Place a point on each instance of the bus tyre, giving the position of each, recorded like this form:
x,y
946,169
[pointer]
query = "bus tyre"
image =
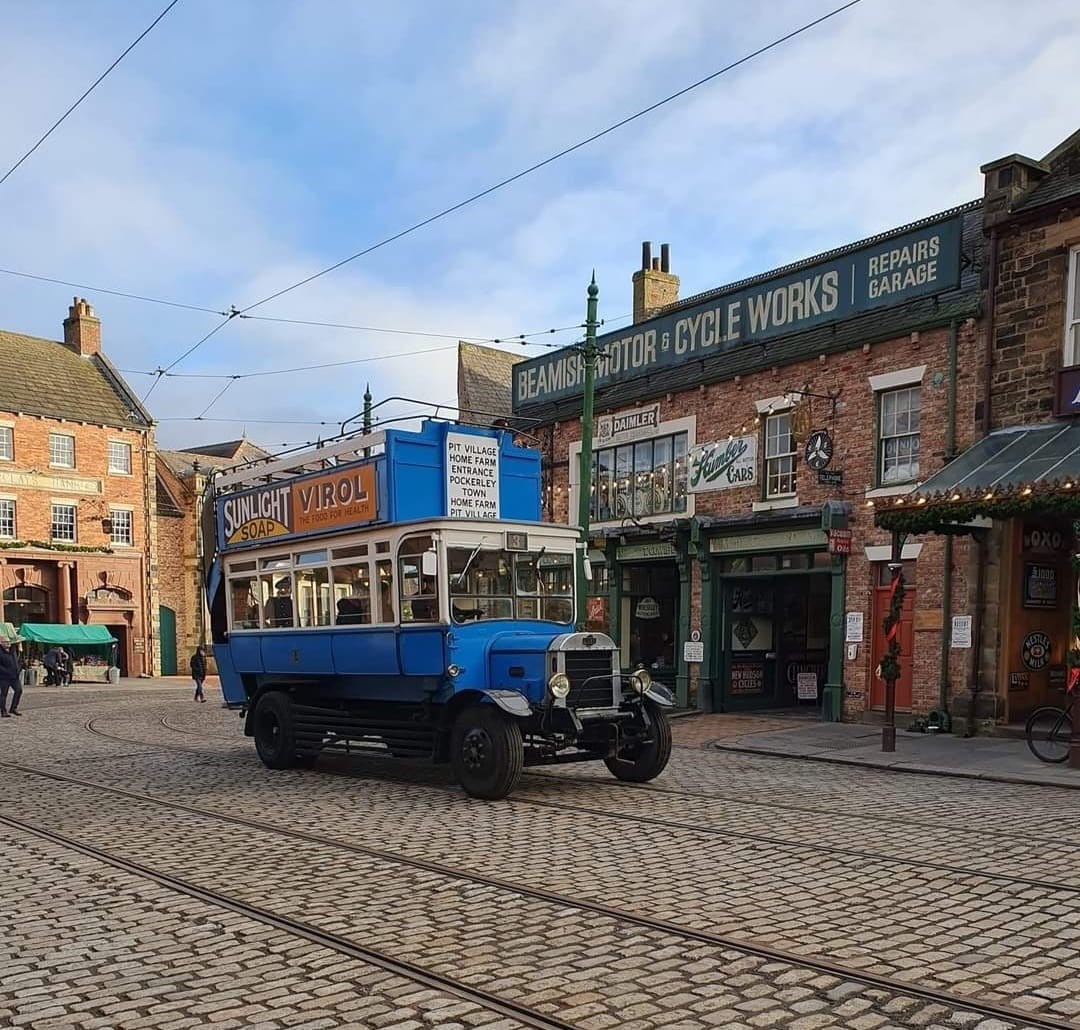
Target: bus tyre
x,y
487,752
275,736
640,761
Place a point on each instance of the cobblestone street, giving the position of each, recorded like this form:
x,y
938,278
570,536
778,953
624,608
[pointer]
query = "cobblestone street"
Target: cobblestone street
x,y
157,876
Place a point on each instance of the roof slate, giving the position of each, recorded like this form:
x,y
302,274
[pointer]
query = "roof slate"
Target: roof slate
x,y
212,455
484,378
45,377
1050,191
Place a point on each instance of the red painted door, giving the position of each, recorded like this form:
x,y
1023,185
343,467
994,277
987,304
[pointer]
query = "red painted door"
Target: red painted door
x,y
907,639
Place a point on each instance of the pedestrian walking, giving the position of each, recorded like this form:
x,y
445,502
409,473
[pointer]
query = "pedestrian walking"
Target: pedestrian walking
x,y
67,667
198,672
51,662
10,676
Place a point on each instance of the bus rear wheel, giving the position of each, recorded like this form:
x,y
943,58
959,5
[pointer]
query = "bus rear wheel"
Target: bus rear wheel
x,y
644,758
274,731
487,752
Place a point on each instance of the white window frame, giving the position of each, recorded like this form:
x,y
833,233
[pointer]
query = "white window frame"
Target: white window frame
x,y
879,398
113,470
780,457
74,538
673,427
129,515
1072,309
53,463
5,502
7,441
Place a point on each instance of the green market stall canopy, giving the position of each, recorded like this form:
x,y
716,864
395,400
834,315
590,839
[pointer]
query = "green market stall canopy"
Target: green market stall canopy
x,y
66,636
1011,472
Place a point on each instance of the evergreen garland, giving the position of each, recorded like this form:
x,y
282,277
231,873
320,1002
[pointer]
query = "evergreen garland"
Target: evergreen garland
x,y
890,663
943,516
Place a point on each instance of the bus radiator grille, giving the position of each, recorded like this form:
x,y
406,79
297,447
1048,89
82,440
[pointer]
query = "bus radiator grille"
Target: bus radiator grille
x,y
591,682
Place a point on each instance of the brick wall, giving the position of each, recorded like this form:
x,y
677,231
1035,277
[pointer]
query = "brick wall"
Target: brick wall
x,y
728,407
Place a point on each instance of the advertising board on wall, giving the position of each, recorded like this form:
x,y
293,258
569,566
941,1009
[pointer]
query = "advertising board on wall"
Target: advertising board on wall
x,y
628,425
878,275
723,465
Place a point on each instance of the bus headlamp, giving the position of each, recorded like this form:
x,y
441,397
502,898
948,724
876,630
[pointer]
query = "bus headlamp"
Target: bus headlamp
x,y
453,671
640,680
559,685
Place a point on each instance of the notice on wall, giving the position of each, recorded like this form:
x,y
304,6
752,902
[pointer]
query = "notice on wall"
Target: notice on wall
x,y
854,634
1040,585
961,631
693,651
807,686
472,477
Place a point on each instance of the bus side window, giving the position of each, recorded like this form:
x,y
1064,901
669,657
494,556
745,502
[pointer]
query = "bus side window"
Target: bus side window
x,y
244,594
352,593
278,610
385,576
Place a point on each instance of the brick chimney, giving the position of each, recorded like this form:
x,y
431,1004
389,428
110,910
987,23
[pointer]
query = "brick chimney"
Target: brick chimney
x,y
82,329
654,285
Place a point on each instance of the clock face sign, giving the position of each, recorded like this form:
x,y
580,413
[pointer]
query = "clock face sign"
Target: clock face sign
x,y
819,449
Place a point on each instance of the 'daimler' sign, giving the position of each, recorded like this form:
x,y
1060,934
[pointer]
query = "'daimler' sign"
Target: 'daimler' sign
x,y
891,271
472,477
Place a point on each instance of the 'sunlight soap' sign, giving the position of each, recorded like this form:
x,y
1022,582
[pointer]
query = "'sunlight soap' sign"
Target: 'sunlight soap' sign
x,y
472,477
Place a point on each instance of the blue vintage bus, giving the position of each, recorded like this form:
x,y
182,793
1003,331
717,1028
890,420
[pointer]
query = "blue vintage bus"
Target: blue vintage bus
x,y
398,591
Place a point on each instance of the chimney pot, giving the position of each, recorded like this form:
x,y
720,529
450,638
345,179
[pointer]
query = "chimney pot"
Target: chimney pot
x,y
665,257
656,264
82,329
646,255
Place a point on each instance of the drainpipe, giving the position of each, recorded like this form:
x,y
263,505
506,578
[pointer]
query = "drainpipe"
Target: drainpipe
x,y
946,605
991,306
976,656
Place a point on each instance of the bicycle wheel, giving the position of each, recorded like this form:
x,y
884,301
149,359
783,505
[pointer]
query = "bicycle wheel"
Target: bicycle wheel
x,y
1049,731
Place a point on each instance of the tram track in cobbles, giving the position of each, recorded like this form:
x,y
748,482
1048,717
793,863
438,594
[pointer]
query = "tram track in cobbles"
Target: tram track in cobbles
x,y
698,827
856,989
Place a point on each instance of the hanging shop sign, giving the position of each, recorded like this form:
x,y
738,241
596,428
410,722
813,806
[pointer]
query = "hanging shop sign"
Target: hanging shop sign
x,y
628,425
819,449
723,465
879,275
1040,585
1035,650
647,608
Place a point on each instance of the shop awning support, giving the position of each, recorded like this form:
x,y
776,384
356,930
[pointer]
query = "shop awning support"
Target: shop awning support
x,y
890,664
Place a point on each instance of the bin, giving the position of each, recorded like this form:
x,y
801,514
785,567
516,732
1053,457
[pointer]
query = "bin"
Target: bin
x,y
114,674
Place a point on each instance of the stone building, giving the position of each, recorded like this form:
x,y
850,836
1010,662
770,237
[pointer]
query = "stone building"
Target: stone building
x,y
77,469
1015,492
483,378
181,482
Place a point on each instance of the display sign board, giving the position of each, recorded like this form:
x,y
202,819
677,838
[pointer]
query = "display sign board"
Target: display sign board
x,y
314,502
1019,681
637,552
830,477
596,609
854,634
693,651
627,425
777,540
961,631
1040,585
839,541
807,686
472,477
747,677
878,275
723,465
1046,541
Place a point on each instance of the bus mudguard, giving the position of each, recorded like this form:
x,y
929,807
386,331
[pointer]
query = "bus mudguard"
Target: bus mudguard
x,y
510,701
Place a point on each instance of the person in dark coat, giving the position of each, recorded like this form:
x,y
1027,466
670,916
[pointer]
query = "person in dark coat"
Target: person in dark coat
x,y
10,676
52,666
198,672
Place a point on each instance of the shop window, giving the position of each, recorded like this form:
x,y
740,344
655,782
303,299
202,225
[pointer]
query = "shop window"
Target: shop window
x,y
650,611
763,563
123,530
640,479
1072,310
7,520
63,522
899,441
780,456
25,604
61,450
119,458
7,443
885,574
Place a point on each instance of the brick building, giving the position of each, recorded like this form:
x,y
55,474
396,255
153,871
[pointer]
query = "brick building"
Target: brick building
x,y
1014,492
77,470
181,481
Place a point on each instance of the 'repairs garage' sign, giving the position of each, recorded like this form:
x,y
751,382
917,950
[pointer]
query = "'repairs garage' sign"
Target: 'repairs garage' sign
x,y
319,502
882,274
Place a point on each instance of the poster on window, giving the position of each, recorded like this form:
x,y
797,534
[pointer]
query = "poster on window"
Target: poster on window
x,y
1040,585
747,678
723,465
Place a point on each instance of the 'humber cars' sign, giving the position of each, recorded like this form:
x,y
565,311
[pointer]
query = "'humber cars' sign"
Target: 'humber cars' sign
x,y
723,465
882,274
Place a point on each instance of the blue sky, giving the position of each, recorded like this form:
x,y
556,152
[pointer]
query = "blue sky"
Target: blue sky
x,y
245,145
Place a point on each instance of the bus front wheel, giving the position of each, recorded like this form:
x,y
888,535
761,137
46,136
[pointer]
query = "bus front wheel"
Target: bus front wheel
x,y
487,752
647,756
274,731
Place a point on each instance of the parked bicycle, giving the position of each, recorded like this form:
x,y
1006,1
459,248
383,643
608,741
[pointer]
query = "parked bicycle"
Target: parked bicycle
x,y
1049,731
